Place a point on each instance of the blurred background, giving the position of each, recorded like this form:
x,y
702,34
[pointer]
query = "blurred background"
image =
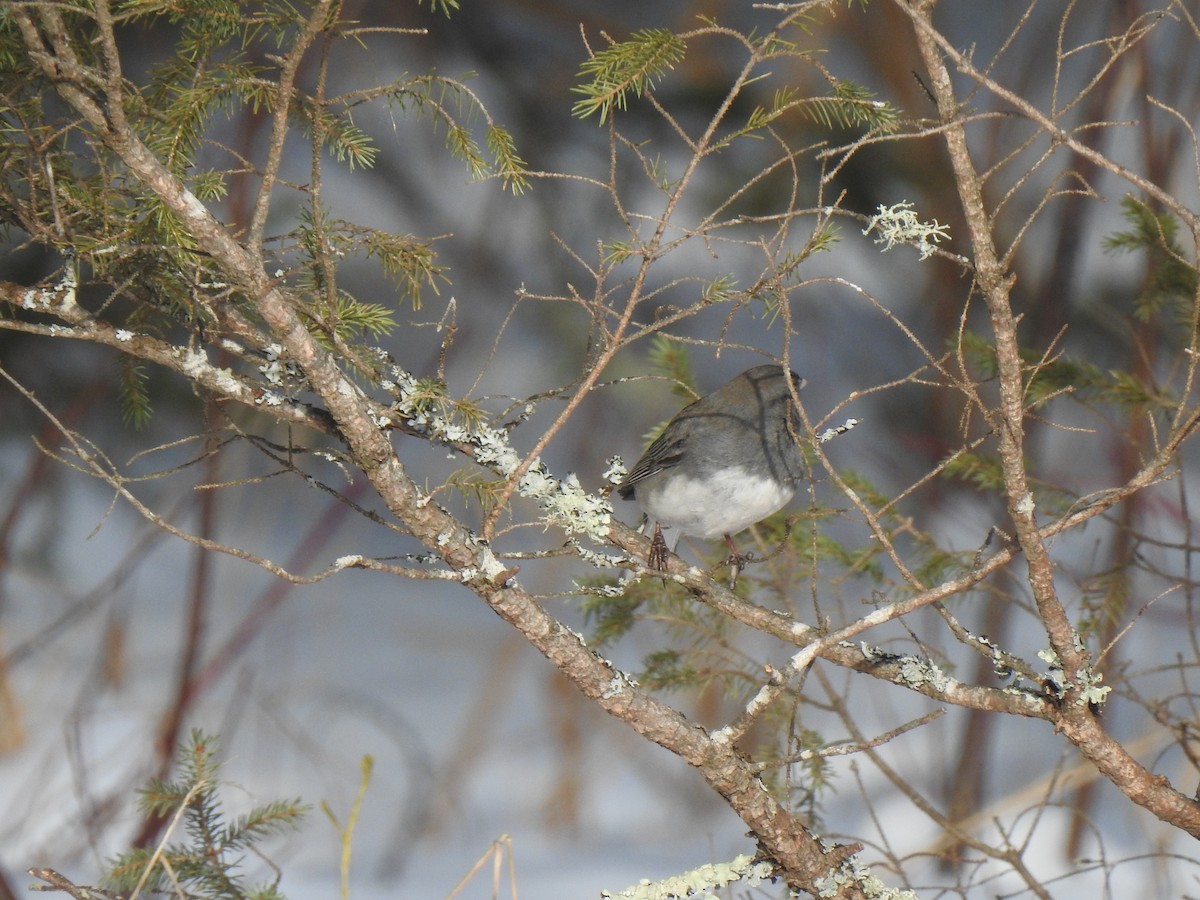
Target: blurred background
x,y
474,735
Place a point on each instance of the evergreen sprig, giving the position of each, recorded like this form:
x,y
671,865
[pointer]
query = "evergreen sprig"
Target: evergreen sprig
x,y
1172,276
1084,381
208,864
450,103
347,142
410,263
850,106
135,398
628,66
509,165
671,359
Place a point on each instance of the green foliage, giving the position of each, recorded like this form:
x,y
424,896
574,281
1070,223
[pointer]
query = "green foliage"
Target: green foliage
x,y
445,7
974,468
408,261
773,295
985,472
348,143
429,398
849,106
671,359
979,353
853,106
865,489
179,102
845,560
935,565
666,670
410,264
452,105
509,166
1103,600
352,319
823,237
218,56
629,66
208,863
206,25
475,486
1083,381
12,56
1172,277
135,399
722,289
609,618
797,771
1090,384
616,252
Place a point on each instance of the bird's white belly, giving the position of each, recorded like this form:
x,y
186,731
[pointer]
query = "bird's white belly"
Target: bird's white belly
x,y
723,503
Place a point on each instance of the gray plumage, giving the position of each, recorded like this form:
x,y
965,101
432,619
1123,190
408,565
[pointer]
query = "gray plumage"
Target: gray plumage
x,y
724,462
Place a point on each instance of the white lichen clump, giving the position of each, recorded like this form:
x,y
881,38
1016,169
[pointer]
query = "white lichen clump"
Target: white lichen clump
x,y
563,501
699,882
915,672
61,294
830,433
851,871
1091,691
566,503
193,362
273,367
898,224
616,471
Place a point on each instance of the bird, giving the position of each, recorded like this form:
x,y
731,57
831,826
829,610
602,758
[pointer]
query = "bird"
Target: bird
x,y
724,462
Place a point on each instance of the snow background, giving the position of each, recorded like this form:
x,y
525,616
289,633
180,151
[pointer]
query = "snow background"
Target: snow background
x,y
473,734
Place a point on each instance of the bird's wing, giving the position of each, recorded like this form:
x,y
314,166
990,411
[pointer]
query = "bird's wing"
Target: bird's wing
x,y
663,453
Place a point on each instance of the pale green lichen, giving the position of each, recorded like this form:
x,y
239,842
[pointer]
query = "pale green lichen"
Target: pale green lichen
x,y
61,294
898,224
700,882
602,590
870,653
599,561
615,687
1091,691
616,471
564,502
917,673
830,433
851,871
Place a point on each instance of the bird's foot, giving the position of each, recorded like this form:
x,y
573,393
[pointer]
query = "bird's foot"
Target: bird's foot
x,y
736,560
658,550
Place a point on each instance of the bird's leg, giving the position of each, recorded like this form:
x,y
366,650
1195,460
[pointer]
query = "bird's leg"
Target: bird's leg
x,y
736,560
658,550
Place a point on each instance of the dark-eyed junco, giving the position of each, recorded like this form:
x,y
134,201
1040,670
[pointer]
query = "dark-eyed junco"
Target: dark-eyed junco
x,y
723,463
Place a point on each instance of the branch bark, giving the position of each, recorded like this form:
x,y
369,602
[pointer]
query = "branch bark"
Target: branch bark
x,y
799,855
1076,721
